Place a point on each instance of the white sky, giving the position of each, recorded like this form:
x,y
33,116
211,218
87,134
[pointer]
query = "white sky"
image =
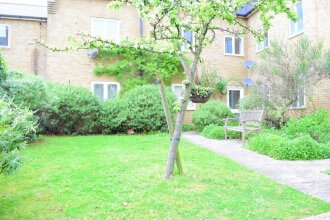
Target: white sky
x,y
28,2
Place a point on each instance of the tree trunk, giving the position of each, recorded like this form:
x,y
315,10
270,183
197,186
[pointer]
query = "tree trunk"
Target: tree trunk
x,y
169,122
179,121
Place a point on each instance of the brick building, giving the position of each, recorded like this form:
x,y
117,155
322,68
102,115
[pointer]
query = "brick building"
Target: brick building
x,y
54,20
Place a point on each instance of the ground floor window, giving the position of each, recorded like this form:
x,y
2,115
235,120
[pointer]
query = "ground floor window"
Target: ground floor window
x,y
4,35
301,101
234,94
105,90
177,90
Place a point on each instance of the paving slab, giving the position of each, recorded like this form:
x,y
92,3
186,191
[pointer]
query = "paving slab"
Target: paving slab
x,y
305,176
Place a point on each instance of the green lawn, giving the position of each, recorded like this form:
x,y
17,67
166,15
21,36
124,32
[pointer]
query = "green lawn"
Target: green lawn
x,y
93,177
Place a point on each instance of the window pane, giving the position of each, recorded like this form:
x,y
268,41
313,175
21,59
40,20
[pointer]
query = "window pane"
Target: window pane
x,y
4,36
266,40
99,91
177,90
189,37
191,105
300,17
112,91
98,28
234,96
228,45
238,45
112,30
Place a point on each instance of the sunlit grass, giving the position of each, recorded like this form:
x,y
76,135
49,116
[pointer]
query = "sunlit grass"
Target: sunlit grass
x,y
121,177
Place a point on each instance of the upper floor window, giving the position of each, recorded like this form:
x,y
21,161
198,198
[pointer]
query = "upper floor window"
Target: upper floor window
x,y
177,90
189,37
298,26
233,45
263,44
105,28
4,35
105,90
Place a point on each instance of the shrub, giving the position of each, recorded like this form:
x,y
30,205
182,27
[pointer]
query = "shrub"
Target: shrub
x,y
140,109
188,127
111,119
316,125
143,109
3,70
27,90
278,146
213,112
218,132
16,126
72,110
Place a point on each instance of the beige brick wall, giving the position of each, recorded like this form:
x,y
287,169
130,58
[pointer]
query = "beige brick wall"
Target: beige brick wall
x,y
21,55
75,16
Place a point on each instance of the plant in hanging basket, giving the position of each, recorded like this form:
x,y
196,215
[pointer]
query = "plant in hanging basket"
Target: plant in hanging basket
x,y
200,94
204,85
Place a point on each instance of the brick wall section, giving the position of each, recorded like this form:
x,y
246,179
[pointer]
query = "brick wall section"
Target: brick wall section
x,y
21,55
74,16
316,27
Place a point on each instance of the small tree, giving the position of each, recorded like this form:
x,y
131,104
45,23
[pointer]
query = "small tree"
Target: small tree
x,y
170,19
285,73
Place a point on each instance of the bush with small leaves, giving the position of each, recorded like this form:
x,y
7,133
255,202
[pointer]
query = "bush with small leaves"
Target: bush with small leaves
x,y
279,146
72,110
139,109
213,112
17,126
218,132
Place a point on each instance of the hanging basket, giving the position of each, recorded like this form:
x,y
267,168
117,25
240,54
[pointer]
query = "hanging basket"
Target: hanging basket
x,y
201,94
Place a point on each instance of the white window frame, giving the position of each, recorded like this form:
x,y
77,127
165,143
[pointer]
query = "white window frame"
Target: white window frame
x,y
192,43
9,35
233,46
263,44
117,40
105,88
235,88
300,107
296,33
192,108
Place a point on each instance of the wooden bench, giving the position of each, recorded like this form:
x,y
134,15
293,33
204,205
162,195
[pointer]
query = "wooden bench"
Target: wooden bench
x,y
249,121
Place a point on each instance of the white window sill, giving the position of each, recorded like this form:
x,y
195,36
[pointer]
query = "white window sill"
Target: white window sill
x,y
234,55
295,35
5,47
298,108
257,51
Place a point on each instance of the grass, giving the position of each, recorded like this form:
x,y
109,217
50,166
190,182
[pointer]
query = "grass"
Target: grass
x,y
121,177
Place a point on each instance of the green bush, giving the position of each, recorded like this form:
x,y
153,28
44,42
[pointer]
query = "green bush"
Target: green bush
x,y
278,146
213,112
188,127
316,125
111,118
3,71
16,127
140,109
218,132
26,90
72,110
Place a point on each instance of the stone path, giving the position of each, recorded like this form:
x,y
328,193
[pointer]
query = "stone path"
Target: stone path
x,y
305,176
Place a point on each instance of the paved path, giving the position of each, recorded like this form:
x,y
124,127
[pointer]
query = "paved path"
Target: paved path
x,y
305,176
